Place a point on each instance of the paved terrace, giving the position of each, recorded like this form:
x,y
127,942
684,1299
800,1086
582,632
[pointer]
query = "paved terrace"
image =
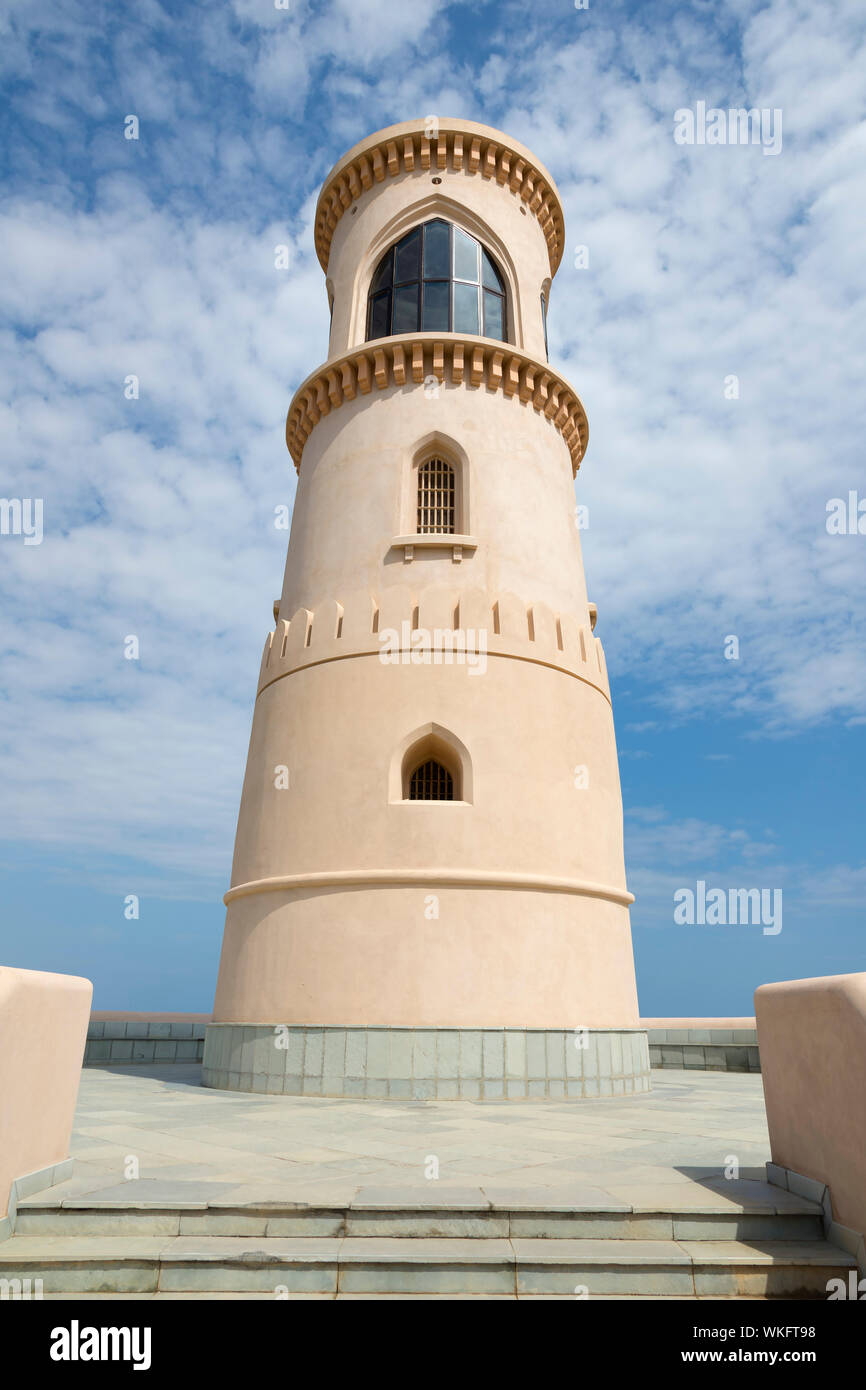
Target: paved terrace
x,y
193,1144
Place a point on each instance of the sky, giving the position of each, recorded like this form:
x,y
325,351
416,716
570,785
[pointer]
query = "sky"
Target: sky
x,y
709,311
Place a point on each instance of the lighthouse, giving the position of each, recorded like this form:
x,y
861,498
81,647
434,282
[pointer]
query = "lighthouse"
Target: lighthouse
x,y
428,895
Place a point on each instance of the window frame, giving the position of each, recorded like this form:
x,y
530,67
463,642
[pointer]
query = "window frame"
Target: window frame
x,y
490,286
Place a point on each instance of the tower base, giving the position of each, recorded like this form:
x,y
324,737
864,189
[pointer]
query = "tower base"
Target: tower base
x,y
426,1063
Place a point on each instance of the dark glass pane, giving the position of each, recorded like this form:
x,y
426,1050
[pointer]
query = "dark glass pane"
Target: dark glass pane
x,y
408,265
493,326
489,274
406,309
436,251
380,315
465,256
383,272
544,322
434,318
465,308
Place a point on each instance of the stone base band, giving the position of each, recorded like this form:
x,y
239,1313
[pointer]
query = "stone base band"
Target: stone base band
x,y
426,1063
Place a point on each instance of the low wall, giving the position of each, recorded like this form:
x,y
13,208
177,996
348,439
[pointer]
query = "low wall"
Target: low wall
x,y
813,1047
43,1022
703,1044
118,1039
693,1044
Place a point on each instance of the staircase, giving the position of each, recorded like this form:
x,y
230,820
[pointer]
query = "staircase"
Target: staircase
x,y
414,1243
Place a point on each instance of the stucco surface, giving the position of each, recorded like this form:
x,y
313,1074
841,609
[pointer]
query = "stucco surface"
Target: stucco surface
x,y
43,1025
812,1038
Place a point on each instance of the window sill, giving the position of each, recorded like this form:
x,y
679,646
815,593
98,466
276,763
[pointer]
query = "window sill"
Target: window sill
x,y
435,540
406,802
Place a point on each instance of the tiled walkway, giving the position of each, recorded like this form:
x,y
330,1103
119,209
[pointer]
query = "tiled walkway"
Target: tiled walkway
x,y
183,1141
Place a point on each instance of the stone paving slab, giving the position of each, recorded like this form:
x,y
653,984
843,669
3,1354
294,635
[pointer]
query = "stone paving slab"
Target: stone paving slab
x,y
778,1252
152,1193
560,1198
80,1247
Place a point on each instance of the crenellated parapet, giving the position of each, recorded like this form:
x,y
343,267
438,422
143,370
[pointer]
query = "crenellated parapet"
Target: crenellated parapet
x,y
461,146
425,360
440,626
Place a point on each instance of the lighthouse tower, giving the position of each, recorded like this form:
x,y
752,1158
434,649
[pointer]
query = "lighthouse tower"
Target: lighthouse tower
x,y
428,894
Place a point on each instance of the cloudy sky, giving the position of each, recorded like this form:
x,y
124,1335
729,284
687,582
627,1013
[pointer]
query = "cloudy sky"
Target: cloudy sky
x,y
707,498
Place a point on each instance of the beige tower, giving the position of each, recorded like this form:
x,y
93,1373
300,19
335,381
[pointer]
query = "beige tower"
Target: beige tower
x,y
428,893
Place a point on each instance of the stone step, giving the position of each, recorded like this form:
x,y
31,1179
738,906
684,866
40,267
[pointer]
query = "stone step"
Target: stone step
x,y
394,1265
768,1214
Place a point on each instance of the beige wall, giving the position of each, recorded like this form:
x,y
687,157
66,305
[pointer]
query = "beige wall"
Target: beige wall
x,y
366,953
812,1039
370,956
43,1026
351,505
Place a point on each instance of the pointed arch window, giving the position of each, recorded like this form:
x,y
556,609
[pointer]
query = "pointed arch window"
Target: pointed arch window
x,y
437,498
431,782
437,279
430,764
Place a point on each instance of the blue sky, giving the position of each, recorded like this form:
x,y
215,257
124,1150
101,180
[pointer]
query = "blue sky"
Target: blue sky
x,y
707,515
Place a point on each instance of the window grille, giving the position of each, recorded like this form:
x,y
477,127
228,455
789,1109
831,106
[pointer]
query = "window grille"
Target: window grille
x,y
436,498
431,782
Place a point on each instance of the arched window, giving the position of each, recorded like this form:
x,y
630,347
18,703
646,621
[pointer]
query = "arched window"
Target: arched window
x,y
430,764
437,279
544,323
431,782
437,496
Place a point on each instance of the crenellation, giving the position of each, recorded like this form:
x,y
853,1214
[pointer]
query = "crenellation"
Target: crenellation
x,y
506,626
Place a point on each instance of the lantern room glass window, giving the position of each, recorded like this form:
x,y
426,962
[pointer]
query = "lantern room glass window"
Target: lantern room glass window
x,y
437,279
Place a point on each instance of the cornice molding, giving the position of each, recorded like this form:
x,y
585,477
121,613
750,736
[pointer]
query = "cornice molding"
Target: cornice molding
x,y
457,145
420,357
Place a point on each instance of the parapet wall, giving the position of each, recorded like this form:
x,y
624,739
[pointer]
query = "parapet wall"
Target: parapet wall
x,y
813,1050
441,623
43,1023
